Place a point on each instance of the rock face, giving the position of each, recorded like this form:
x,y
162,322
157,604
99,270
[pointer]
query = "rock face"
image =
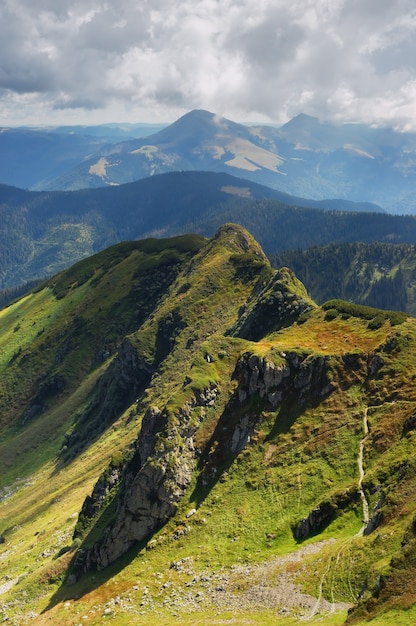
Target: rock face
x,y
154,480
164,462
123,380
298,375
94,503
323,514
296,378
376,517
315,522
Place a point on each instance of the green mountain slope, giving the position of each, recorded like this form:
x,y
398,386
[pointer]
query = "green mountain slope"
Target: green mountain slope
x,y
186,437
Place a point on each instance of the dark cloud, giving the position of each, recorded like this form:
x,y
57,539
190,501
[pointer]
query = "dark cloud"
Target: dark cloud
x,y
348,59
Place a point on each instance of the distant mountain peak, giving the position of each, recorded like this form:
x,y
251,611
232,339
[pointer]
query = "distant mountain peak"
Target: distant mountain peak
x,y
193,125
305,117
200,116
302,121
307,157
197,114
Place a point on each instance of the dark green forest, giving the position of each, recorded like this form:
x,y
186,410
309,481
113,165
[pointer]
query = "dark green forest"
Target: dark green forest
x,y
42,233
376,274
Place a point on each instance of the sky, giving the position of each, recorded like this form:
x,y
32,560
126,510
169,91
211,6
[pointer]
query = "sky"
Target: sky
x,y
97,61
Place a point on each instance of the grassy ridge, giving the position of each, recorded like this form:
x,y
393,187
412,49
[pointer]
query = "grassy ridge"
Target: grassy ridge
x,y
235,556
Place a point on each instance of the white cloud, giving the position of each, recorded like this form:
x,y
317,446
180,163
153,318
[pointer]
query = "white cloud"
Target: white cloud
x,y
86,60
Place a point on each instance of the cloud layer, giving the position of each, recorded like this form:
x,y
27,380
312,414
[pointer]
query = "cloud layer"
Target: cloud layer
x,y
86,60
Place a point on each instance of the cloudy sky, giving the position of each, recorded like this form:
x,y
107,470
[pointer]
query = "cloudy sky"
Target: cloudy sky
x,y
86,61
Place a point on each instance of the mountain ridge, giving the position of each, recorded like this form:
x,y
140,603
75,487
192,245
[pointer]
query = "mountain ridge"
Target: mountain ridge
x,y
306,157
161,452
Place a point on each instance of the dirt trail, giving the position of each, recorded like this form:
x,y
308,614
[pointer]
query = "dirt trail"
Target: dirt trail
x,y
360,461
7,585
366,516
272,586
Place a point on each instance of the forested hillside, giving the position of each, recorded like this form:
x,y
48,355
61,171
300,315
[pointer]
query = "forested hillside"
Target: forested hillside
x,y
44,232
377,274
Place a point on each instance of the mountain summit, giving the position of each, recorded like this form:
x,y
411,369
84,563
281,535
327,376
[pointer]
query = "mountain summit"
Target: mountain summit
x,y
198,140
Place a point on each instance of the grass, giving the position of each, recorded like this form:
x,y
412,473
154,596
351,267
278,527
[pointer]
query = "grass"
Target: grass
x,y
228,534
300,453
337,336
44,336
376,317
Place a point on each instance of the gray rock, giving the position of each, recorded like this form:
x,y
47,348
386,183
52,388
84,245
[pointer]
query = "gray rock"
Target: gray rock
x,y
71,580
154,481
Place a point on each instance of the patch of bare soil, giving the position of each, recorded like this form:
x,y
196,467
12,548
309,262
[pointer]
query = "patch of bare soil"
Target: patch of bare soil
x,y
270,585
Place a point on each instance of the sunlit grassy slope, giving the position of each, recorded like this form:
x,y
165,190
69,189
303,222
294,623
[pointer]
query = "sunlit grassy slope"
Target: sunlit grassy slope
x,y
229,554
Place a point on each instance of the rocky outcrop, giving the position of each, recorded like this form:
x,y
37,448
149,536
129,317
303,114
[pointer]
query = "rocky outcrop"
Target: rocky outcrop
x,y
278,304
126,375
375,363
295,378
94,503
262,376
164,461
124,379
377,516
320,517
323,514
153,481
299,376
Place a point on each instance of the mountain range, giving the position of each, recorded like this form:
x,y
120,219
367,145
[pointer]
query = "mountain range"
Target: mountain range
x,y
186,437
305,157
32,157
44,232
207,399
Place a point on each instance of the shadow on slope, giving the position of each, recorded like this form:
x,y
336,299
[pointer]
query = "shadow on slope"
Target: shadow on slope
x,y
92,580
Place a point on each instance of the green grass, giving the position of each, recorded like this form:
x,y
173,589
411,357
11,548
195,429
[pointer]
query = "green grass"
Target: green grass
x,y
176,303
376,316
